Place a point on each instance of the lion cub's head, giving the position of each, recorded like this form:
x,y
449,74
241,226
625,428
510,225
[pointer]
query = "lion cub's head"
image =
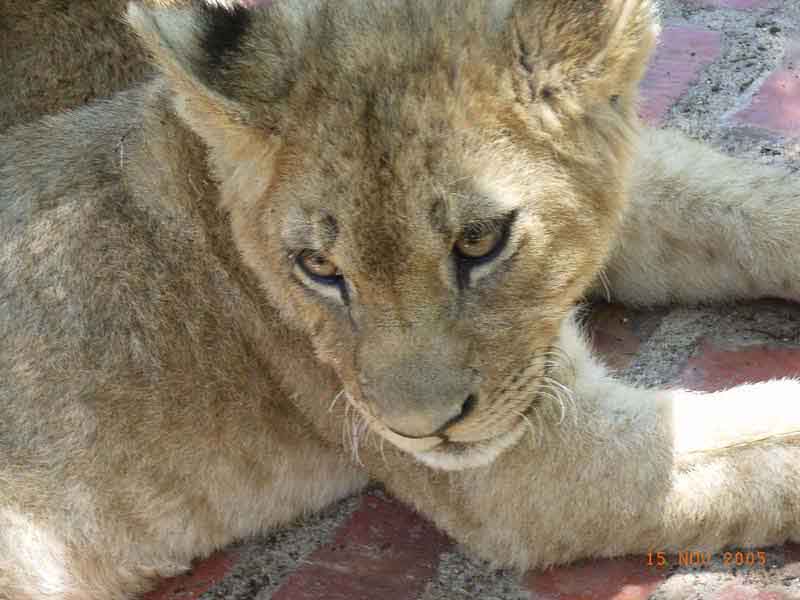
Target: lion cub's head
x,y
425,187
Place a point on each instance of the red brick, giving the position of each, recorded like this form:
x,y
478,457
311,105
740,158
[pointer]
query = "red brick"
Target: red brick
x,y
683,51
205,575
618,332
716,369
776,105
621,579
384,551
740,4
748,592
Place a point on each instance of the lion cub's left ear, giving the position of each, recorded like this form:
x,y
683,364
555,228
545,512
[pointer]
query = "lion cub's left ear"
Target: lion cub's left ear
x,y
578,54
199,45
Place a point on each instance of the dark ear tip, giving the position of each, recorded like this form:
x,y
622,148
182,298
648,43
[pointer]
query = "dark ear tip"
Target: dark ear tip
x,y
224,30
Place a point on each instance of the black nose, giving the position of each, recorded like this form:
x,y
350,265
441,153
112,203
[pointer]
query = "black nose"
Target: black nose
x,y
466,409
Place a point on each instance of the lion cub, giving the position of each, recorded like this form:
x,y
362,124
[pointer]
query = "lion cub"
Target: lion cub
x,y
56,55
383,209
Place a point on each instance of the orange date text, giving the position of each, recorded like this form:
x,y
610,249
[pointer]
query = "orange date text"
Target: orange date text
x,y
696,558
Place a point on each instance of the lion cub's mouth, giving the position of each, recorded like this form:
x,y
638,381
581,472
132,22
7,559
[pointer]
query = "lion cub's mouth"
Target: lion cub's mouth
x,y
447,455
508,420
439,452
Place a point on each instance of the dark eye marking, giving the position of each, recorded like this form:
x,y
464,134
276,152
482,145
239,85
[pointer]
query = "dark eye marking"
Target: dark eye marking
x,y
318,268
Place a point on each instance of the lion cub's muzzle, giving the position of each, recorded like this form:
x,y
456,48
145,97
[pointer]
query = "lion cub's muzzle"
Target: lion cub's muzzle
x,y
421,400
427,426
422,390
419,385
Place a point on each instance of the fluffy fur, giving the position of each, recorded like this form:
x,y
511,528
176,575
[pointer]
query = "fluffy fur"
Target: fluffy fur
x,y
157,321
57,54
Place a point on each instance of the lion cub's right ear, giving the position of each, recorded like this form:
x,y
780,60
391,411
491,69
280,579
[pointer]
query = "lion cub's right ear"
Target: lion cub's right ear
x,y
580,54
198,44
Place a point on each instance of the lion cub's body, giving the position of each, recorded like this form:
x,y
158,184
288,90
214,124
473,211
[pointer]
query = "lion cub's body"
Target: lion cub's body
x,y
157,322
188,361
56,55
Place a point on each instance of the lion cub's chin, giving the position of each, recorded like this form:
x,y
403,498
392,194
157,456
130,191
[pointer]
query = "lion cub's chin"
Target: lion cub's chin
x,y
439,454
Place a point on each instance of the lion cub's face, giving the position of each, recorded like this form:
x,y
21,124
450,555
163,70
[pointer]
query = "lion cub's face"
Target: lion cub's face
x,y
425,188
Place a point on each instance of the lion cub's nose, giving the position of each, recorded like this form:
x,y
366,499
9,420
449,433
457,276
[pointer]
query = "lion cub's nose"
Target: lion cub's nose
x,y
419,382
430,423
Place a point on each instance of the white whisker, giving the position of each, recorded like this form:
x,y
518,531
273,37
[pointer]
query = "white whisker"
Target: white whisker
x,y
529,423
555,397
335,400
355,437
345,426
383,453
606,285
564,394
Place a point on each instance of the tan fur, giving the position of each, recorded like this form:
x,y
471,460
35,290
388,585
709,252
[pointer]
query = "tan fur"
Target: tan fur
x,y
739,242
56,55
171,380
61,54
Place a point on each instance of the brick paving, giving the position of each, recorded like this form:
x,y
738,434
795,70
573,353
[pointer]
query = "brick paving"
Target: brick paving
x,y
776,106
684,50
619,579
738,4
381,550
714,369
384,551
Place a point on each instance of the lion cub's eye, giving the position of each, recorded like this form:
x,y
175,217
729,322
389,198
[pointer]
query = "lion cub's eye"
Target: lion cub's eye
x,y
319,267
479,246
479,242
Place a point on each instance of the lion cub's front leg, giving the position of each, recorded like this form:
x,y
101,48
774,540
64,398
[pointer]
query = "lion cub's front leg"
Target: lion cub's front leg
x,y
625,470
123,508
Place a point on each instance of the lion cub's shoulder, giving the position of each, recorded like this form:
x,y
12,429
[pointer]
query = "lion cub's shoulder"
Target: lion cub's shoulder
x,y
57,55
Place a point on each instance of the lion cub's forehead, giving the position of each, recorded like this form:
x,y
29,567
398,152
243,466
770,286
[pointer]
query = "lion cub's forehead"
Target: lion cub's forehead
x,y
387,129
395,172
348,49
376,220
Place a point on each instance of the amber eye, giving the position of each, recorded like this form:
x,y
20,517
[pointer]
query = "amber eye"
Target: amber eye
x,y
319,266
479,242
